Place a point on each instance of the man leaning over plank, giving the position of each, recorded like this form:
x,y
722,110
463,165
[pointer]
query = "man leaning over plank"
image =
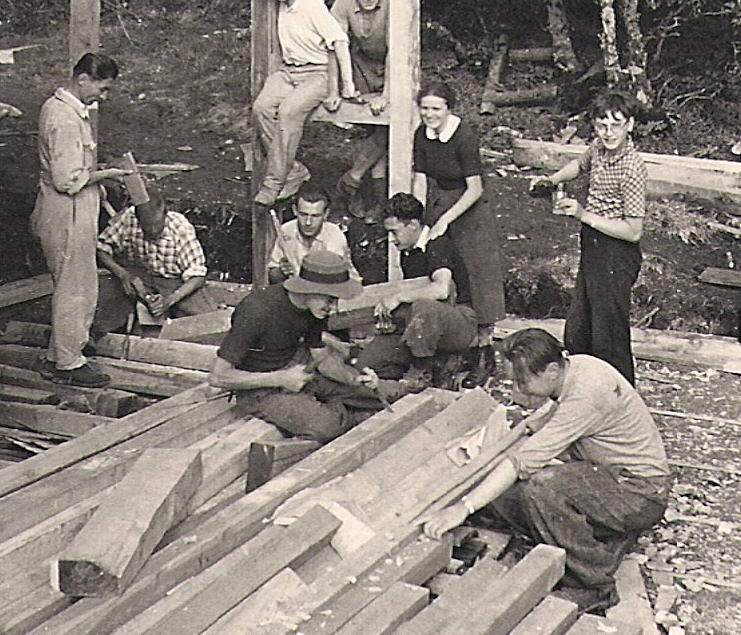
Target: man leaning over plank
x,y
589,480
275,358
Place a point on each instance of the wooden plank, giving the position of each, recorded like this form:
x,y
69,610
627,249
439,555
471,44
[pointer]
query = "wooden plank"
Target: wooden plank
x,y
500,605
114,544
102,438
634,607
31,610
446,607
413,564
50,419
262,607
532,54
270,458
205,328
668,175
243,519
146,379
724,277
107,402
522,97
359,310
710,351
395,605
21,394
354,113
200,601
590,624
553,616
24,290
151,350
228,293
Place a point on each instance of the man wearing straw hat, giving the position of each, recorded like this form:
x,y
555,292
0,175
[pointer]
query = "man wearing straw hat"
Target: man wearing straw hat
x,y
275,359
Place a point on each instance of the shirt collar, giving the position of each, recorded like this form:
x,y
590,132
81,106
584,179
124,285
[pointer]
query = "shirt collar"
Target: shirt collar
x,y
451,125
424,238
68,98
626,149
359,9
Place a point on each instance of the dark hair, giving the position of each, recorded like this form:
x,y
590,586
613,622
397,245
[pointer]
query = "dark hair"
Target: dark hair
x,y
312,193
613,102
531,350
404,207
154,205
97,66
438,89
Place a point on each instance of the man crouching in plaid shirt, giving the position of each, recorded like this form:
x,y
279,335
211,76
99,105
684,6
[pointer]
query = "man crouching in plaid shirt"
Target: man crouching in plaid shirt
x,y
598,320
154,257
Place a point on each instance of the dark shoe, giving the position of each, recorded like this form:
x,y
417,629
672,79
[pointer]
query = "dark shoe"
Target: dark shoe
x,y
296,177
47,369
83,376
590,600
483,368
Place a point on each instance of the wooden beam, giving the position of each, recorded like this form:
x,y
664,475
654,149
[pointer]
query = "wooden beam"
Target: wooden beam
x,y
24,290
163,352
723,277
590,624
121,535
393,607
50,419
500,605
84,28
270,458
634,606
553,616
266,58
413,564
101,438
205,328
352,113
260,609
448,606
491,100
200,601
710,351
21,394
228,293
243,519
668,175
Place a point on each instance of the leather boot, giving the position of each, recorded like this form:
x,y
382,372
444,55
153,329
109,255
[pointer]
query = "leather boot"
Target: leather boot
x,y
483,368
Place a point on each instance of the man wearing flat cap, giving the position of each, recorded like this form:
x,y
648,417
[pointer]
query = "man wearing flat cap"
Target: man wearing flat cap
x,y
275,359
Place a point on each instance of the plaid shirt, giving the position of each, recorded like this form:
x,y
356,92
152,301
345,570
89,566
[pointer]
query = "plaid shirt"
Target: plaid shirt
x,y
617,183
175,254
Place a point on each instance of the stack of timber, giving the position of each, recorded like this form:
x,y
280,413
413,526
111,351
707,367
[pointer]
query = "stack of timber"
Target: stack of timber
x,y
332,544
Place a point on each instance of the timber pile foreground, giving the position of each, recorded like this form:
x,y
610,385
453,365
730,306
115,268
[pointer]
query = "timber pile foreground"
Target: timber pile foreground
x,y
330,544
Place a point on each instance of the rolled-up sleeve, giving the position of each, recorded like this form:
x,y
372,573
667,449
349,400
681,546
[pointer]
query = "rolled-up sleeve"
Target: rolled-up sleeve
x,y
191,258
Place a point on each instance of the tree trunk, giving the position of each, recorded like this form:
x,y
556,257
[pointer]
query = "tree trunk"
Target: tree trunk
x,y
608,42
640,86
558,26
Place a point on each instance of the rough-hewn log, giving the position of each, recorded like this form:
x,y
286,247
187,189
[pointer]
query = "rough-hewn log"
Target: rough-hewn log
x,y
723,277
115,543
24,290
668,175
270,458
553,616
522,97
389,611
205,328
497,66
531,54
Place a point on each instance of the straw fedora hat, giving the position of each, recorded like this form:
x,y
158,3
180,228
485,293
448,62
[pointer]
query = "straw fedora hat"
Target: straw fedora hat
x,y
326,273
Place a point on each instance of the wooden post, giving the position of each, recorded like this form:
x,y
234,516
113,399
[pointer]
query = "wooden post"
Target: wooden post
x,y
265,60
403,77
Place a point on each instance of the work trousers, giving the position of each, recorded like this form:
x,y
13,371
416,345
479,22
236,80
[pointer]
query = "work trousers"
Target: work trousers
x,y
322,411
598,319
67,227
586,509
368,75
280,111
424,328
114,306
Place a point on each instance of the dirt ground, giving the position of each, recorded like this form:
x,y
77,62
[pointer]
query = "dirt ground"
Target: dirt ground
x,y
184,96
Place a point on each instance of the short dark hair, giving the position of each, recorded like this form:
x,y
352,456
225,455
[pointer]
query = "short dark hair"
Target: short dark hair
x,y
97,66
438,89
404,207
155,204
531,350
613,102
312,193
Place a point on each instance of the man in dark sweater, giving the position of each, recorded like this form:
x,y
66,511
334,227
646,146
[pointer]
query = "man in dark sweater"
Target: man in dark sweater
x,y
275,358
428,321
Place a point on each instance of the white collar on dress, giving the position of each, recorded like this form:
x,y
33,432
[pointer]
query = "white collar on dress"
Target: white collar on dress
x,y
451,125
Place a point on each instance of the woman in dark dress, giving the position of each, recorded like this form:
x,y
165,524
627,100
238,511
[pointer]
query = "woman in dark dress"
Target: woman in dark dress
x,y
448,180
